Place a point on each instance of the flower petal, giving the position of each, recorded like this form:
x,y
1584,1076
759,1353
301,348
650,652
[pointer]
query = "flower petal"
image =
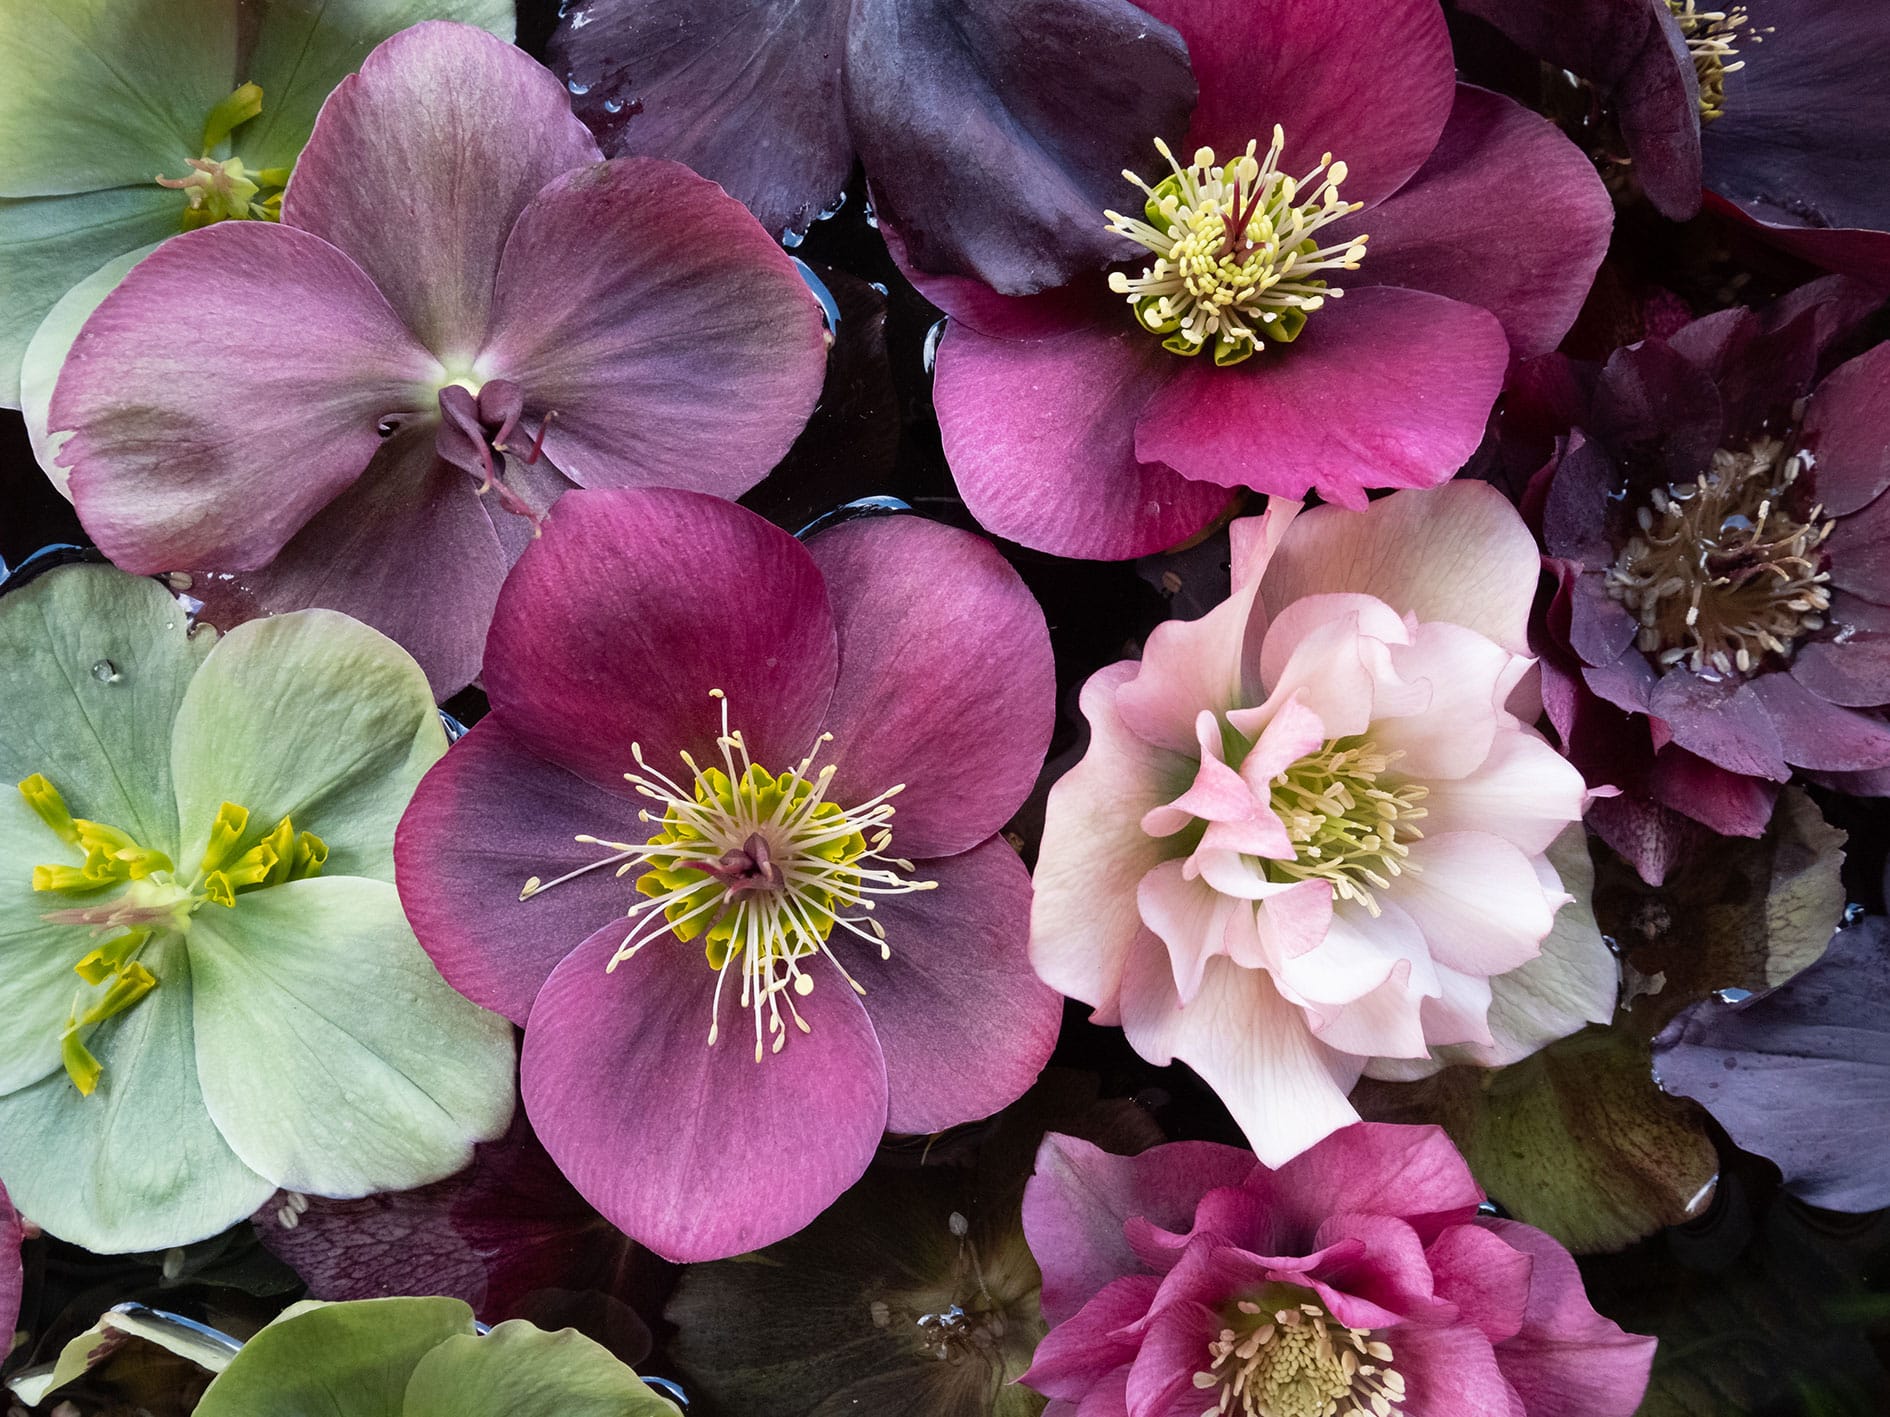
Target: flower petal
x,y
1377,1169
697,1151
1456,1370
1524,792
1478,900
519,1369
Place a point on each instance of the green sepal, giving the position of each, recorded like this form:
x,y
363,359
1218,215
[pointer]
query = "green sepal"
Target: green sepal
x,y
50,807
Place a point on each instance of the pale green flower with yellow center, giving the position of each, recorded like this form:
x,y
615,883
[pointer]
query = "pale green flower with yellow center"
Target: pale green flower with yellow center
x,y
210,989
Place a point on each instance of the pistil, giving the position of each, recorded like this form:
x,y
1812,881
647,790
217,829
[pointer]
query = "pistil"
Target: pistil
x,y
1285,1356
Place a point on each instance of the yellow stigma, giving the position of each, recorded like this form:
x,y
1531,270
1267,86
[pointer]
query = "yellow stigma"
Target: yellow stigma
x,y
1237,254
223,189
1285,1356
152,902
1349,819
1710,37
763,867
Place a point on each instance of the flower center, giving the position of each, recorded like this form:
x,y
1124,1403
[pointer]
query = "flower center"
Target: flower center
x,y
478,420
1710,37
1721,571
1349,820
1285,1356
763,867
224,189
1237,255
152,903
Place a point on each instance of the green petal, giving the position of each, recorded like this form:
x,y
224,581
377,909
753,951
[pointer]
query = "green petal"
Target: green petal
x,y
522,1371
50,244
312,716
138,1165
334,1057
46,355
37,988
337,1360
107,93
304,50
97,664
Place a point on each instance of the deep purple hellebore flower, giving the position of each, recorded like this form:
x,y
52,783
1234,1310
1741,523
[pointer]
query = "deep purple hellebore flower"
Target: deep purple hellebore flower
x,y
1114,416
1355,1281
891,685
1718,528
462,313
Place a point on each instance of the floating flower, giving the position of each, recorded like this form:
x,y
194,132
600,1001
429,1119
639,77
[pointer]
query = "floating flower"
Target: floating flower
x,y
212,991
801,755
1115,415
992,132
1715,522
432,383
1308,832
423,1358
127,121
1356,1281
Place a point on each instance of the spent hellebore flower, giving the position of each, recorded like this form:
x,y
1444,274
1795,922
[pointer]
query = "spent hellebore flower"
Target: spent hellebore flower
x,y
422,1358
1117,414
1355,1281
992,132
211,991
127,121
433,380
1308,832
800,754
1716,523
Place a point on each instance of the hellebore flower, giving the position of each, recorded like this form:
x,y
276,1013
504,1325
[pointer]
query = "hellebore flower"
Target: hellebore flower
x,y
1716,525
1307,832
12,1276
1356,1281
1114,416
127,121
422,1358
432,380
205,998
802,755
1800,1074
992,131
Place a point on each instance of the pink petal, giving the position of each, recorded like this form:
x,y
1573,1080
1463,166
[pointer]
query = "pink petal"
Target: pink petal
x,y
1524,792
676,313
1487,1279
1041,438
1087,1347
952,694
167,468
1364,987
618,622
1379,1169
1191,918
1469,679
1218,794
1331,653
420,163
1304,64
1392,1273
697,1152
1190,667
1386,388
1478,900
1455,1370
1527,256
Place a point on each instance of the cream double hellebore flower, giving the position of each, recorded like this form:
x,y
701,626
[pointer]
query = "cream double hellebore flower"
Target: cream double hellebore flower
x,y
1310,833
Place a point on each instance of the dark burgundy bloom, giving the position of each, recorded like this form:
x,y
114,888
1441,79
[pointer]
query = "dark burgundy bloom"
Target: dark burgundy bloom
x,y
1722,613
993,132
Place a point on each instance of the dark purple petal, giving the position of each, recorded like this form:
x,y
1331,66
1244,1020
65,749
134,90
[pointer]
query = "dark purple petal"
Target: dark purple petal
x,y
1793,1074
747,94
1041,438
1573,525
485,819
1846,250
1818,735
1726,721
1385,388
696,1151
1303,64
974,304
1730,804
676,314
1847,429
1854,671
1527,256
1657,404
169,467
996,134
419,165
618,622
952,694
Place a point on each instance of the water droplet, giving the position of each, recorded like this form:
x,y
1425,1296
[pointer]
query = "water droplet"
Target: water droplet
x,y
1736,522
880,286
578,90
1732,995
579,19
613,105
106,672
829,307
1853,913
872,217
832,209
791,238
387,427
932,337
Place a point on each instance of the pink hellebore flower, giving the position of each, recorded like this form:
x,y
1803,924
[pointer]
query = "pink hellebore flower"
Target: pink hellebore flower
x,y
462,313
1356,1281
1330,155
800,755
1309,833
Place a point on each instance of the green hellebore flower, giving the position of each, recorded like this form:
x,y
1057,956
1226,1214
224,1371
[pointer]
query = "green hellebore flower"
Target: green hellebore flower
x,y
422,1358
127,121
210,989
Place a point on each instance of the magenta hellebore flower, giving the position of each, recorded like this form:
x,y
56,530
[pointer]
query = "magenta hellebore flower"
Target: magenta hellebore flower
x,y
1355,1281
368,406
12,1277
801,755
1115,415
1717,524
